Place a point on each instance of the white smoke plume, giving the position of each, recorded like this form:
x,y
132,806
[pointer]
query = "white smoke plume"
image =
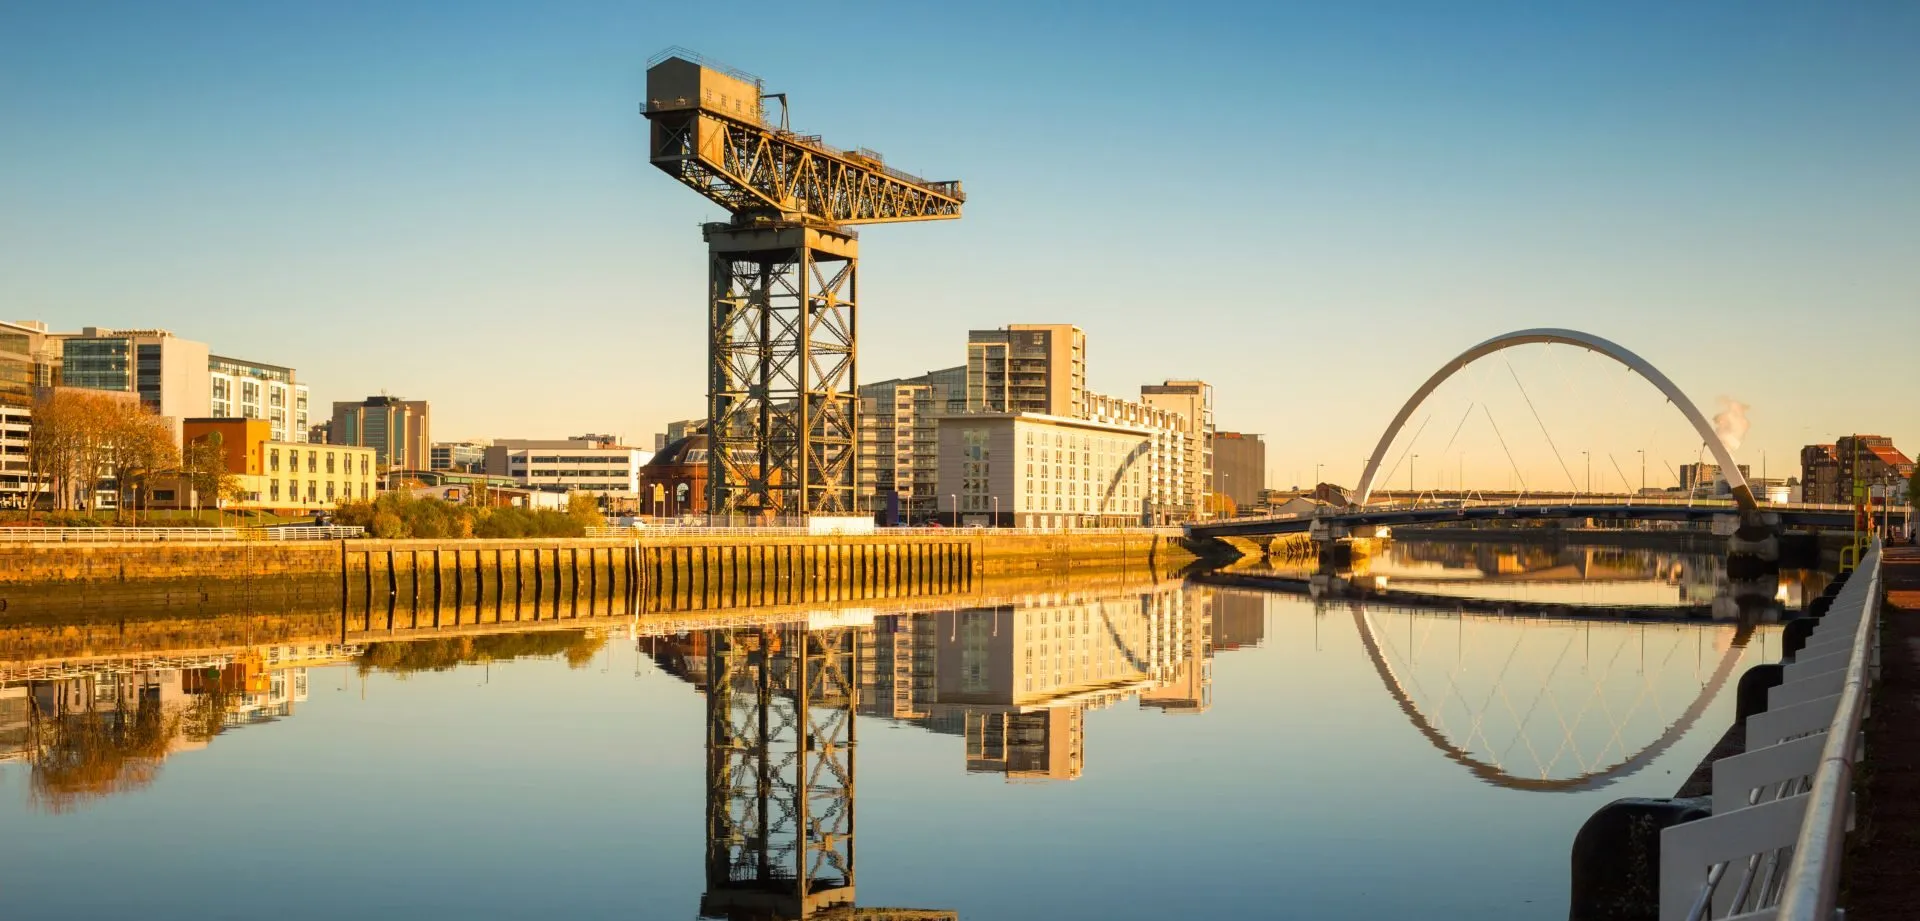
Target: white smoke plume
x,y
1731,422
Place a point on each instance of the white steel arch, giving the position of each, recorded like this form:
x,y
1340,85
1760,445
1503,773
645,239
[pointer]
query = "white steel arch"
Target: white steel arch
x,y
1742,493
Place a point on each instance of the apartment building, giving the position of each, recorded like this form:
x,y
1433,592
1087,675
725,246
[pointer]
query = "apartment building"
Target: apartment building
x,y
240,389
898,472
1193,402
1029,470
281,476
1831,473
1030,368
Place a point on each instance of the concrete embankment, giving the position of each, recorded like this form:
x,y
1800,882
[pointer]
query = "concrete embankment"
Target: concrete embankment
x,y
656,573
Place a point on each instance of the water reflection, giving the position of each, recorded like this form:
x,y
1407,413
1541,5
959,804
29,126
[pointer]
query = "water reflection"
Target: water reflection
x,y
88,730
1545,575
1417,691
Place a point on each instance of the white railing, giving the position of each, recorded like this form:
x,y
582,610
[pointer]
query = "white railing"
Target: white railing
x,y
1773,846
129,535
1596,501
682,530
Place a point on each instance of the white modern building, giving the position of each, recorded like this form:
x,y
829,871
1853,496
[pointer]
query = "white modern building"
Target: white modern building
x,y
590,464
252,390
1033,470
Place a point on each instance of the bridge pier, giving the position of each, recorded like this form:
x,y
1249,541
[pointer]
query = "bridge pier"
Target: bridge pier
x,y
1753,544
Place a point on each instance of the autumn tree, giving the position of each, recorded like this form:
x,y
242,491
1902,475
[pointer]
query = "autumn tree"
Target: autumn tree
x,y
135,444
82,436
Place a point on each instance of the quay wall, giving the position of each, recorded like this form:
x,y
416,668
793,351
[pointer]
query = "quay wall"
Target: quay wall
x,y
680,572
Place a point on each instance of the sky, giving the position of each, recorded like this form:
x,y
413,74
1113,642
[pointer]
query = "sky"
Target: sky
x,y
1311,206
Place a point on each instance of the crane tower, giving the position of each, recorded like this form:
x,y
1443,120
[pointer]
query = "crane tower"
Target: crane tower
x,y
782,407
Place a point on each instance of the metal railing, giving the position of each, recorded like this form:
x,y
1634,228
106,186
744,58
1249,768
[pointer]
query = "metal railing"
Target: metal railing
x,y
1773,847
129,535
1424,503
698,530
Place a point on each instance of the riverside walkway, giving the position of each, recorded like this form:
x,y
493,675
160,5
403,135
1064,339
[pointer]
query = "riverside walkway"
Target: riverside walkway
x,y
1884,857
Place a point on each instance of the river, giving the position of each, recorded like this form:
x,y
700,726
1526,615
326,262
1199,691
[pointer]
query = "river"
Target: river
x,y
1162,749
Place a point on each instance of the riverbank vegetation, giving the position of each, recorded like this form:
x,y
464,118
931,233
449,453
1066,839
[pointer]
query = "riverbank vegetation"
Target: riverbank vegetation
x,y
398,515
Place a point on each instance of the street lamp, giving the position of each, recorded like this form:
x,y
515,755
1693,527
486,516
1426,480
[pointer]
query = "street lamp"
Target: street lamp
x,y
1410,464
1589,456
996,511
1643,468
956,508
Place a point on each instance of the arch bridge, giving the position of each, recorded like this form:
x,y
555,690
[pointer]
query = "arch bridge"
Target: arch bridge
x,y
1361,511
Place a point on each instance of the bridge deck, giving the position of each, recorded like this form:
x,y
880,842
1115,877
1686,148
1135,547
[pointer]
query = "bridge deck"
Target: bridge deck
x,y
1795,515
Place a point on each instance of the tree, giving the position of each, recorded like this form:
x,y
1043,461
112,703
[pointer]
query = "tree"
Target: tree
x,y
135,443
203,464
585,509
1221,505
64,450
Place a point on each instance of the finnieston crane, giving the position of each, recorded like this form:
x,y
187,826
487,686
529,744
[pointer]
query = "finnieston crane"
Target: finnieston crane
x,y
782,402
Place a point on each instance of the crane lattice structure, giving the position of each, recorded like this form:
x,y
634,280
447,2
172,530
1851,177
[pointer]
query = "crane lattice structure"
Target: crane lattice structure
x,y
782,405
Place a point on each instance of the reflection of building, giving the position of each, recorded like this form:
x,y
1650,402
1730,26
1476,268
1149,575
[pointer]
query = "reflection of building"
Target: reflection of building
x,y
1239,619
1015,681
94,729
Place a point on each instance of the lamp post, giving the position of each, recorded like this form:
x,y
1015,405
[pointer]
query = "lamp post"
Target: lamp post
x,y
1588,489
1643,468
956,508
1410,463
996,511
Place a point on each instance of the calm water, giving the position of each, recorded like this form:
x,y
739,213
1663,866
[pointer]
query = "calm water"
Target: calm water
x,y
1169,750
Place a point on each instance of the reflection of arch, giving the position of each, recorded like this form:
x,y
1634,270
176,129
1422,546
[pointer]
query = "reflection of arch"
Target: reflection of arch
x,y
1742,493
1591,780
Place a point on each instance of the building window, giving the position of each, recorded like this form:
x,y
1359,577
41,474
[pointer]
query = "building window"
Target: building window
x,y
330,491
275,484
273,457
313,462
313,491
329,462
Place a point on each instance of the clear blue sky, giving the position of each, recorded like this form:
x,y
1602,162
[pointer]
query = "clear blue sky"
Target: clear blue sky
x,y
1310,205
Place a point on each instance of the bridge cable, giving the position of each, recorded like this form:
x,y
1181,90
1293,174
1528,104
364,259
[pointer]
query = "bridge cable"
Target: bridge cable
x,y
1503,447
1575,484
1388,478
1457,428
1623,473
